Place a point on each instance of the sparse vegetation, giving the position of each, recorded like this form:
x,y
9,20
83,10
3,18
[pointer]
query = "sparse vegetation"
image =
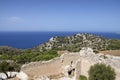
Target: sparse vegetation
x,y
104,57
115,44
96,51
82,77
9,50
101,72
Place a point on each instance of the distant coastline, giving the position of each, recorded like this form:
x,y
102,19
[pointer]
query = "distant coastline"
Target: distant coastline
x,y
31,39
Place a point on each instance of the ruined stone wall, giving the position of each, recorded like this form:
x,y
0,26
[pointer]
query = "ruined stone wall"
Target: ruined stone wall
x,y
51,67
78,69
43,68
85,65
71,58
81,61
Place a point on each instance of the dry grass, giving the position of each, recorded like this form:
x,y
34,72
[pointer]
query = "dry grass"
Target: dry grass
x,y
62,52
111,52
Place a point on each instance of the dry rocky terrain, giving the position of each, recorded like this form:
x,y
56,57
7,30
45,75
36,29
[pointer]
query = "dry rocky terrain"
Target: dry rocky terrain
x,y
111,52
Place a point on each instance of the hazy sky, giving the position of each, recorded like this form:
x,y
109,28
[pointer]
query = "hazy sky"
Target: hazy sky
x,y
60,15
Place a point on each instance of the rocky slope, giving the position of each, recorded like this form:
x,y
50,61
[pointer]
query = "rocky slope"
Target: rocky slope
x,y
9,50
75,42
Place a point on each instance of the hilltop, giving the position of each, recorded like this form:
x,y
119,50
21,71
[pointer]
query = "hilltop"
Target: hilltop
x,y
75,42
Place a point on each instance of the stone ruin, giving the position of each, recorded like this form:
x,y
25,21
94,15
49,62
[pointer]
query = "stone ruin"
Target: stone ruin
x,y
69,66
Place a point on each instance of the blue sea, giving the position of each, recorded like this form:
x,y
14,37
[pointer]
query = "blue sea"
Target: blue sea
x,y
25,40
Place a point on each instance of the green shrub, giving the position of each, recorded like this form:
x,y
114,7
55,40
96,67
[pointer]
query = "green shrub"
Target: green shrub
x,y
47,55
101,72
82,77
115,44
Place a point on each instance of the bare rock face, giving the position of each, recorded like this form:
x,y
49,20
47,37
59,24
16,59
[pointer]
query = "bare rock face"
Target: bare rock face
x,y
3,76
10,74
22,76
86,51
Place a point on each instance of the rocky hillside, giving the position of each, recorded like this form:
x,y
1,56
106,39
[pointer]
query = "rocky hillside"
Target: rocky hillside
x,y
75,42
9,50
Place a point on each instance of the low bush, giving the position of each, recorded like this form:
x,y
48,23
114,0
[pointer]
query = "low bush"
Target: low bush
x,y
82,77
101,72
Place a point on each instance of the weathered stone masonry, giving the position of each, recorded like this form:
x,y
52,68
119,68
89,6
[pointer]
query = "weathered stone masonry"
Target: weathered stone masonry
x,y
68,64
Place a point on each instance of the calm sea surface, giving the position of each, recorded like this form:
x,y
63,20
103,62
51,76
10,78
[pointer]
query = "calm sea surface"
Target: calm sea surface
x,y
32,39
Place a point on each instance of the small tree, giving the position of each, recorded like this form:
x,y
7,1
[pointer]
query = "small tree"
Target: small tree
x,y
5,67
101,72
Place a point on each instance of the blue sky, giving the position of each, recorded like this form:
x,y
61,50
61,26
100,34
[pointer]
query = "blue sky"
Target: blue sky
x,y
60,15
